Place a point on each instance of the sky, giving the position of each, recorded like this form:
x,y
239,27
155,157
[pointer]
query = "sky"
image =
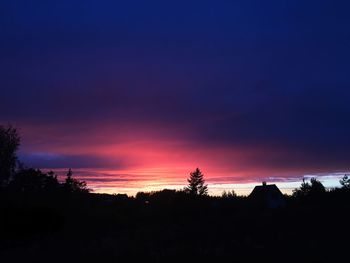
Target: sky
x,y
134,95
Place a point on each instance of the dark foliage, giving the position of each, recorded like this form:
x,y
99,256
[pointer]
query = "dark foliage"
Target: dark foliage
x,y
34,180
229,194
313,189
73,185
345,182
43,220
9,143
196,183
171,226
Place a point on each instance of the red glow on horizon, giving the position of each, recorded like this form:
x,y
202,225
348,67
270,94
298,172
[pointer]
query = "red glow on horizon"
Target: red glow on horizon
x,y
144,159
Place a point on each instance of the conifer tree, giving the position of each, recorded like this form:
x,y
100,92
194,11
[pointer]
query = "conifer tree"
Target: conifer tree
x,y
196,183
74,185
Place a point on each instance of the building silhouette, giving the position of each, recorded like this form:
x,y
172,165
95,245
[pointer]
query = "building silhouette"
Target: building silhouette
x,y
267,196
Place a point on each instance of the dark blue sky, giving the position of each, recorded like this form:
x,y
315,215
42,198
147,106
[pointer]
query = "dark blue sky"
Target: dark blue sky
x,y
269,77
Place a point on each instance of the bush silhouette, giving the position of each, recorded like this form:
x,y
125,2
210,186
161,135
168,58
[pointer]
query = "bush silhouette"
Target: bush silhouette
x,y
34,180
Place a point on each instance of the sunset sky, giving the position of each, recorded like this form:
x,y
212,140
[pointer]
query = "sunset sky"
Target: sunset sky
x,y
134,95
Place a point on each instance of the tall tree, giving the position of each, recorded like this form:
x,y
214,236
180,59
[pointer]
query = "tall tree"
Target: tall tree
x,y
9,143
196,183
73,185
314,188
317,188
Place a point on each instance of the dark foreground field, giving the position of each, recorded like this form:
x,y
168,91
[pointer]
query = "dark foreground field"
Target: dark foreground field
x,y
171,227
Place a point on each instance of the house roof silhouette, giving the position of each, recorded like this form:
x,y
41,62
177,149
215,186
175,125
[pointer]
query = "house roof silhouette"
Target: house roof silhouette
x,y
268,195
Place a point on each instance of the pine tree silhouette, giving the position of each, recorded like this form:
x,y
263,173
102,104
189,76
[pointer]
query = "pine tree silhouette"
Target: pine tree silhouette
x,y
197,184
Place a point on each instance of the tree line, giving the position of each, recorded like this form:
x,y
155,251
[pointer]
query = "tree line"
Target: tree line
x,y
15,176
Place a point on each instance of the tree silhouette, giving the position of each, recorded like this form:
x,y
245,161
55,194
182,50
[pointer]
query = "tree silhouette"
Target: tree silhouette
x,y
304,189
229,194
34,180
9,143
313,188
73,185
197,184
317,187
345,182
